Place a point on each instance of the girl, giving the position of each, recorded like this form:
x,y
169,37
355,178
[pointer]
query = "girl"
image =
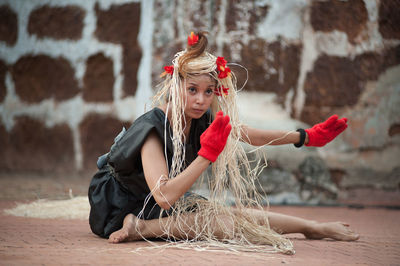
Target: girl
x,y
142,187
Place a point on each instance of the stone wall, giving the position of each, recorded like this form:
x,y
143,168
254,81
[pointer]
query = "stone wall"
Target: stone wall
x,y
68,81
72,73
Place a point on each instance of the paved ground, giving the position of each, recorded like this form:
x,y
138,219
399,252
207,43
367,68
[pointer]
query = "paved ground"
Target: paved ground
x,y
31,241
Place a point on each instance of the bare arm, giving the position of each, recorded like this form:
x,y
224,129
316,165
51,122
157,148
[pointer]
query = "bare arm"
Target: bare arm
x,y
154,166
259,137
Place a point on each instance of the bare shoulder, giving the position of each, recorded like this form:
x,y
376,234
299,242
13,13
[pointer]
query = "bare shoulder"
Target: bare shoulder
x,y
152,142
152,152
163,107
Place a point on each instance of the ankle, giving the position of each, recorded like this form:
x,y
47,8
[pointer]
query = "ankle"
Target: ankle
x,y
312,227
139,225
133,226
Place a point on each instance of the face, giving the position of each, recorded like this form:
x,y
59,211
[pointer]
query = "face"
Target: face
x,y
199,95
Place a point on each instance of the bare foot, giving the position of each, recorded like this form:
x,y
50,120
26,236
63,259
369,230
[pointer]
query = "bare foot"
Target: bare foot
x,y
128,232
335,230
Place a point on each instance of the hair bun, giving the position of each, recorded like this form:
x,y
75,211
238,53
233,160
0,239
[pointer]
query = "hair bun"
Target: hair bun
x,y
194,49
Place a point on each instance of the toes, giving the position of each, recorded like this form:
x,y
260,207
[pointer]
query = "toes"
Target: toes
x,y
350,235
117,237
353,237
114,239
344,224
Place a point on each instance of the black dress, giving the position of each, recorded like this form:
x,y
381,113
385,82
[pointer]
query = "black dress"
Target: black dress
x,y
119,187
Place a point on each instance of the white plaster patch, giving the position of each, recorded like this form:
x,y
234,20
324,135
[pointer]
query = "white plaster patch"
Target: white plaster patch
x,y
10,103
144,91
241,23
332,43
284,19
372,9
261,111
125,108
77,147
308,56
288,101
163,18
220,38
106,4
179,17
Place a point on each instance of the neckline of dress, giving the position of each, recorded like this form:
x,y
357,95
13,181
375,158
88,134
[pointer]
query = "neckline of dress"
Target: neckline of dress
x,y
169,125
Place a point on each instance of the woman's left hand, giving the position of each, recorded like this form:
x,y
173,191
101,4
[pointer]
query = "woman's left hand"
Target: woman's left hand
x,y
320,134
214,138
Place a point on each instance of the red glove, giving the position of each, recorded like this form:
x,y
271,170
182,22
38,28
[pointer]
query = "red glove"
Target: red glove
x,y
324,132
213,140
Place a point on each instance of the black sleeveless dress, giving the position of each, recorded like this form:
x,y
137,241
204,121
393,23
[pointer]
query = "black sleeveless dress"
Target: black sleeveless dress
x,y
119,187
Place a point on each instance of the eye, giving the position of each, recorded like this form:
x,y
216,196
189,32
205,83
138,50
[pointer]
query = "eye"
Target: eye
x,y
209,91
192,89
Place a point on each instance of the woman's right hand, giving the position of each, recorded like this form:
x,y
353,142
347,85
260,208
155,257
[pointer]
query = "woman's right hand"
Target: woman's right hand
x,y
322,133
213,140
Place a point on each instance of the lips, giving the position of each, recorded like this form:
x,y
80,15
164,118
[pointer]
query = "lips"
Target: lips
x,y
198,110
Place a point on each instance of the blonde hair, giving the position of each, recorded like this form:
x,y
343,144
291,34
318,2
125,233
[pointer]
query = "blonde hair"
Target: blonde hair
x,y
233,171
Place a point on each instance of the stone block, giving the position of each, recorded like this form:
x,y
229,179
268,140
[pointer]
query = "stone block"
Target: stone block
x,y
276,180
31,146
394,130
120,24
8,25
337,176
391,57
371,64
4,142
3,89
97,135
38,77
57,22
347,16
99,79
389,19
273,67
369,178
245,11
334,82
315,114
315,180
131,60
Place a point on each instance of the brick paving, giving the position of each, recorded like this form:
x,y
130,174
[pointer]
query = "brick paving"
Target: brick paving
x,y
32,241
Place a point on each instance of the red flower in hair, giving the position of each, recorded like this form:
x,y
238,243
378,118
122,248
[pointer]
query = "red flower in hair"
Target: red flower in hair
x,y
169,69
218,91
223,70
192,39
221,61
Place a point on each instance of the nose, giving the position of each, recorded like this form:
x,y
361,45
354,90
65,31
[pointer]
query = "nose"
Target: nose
x,y
200,98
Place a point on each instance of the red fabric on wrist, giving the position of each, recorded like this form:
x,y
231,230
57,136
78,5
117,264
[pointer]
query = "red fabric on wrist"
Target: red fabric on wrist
x,y
321,134
214,138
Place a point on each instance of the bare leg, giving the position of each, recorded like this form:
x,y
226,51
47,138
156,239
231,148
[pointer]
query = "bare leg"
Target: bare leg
x,y
134,229
286,224
281,223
